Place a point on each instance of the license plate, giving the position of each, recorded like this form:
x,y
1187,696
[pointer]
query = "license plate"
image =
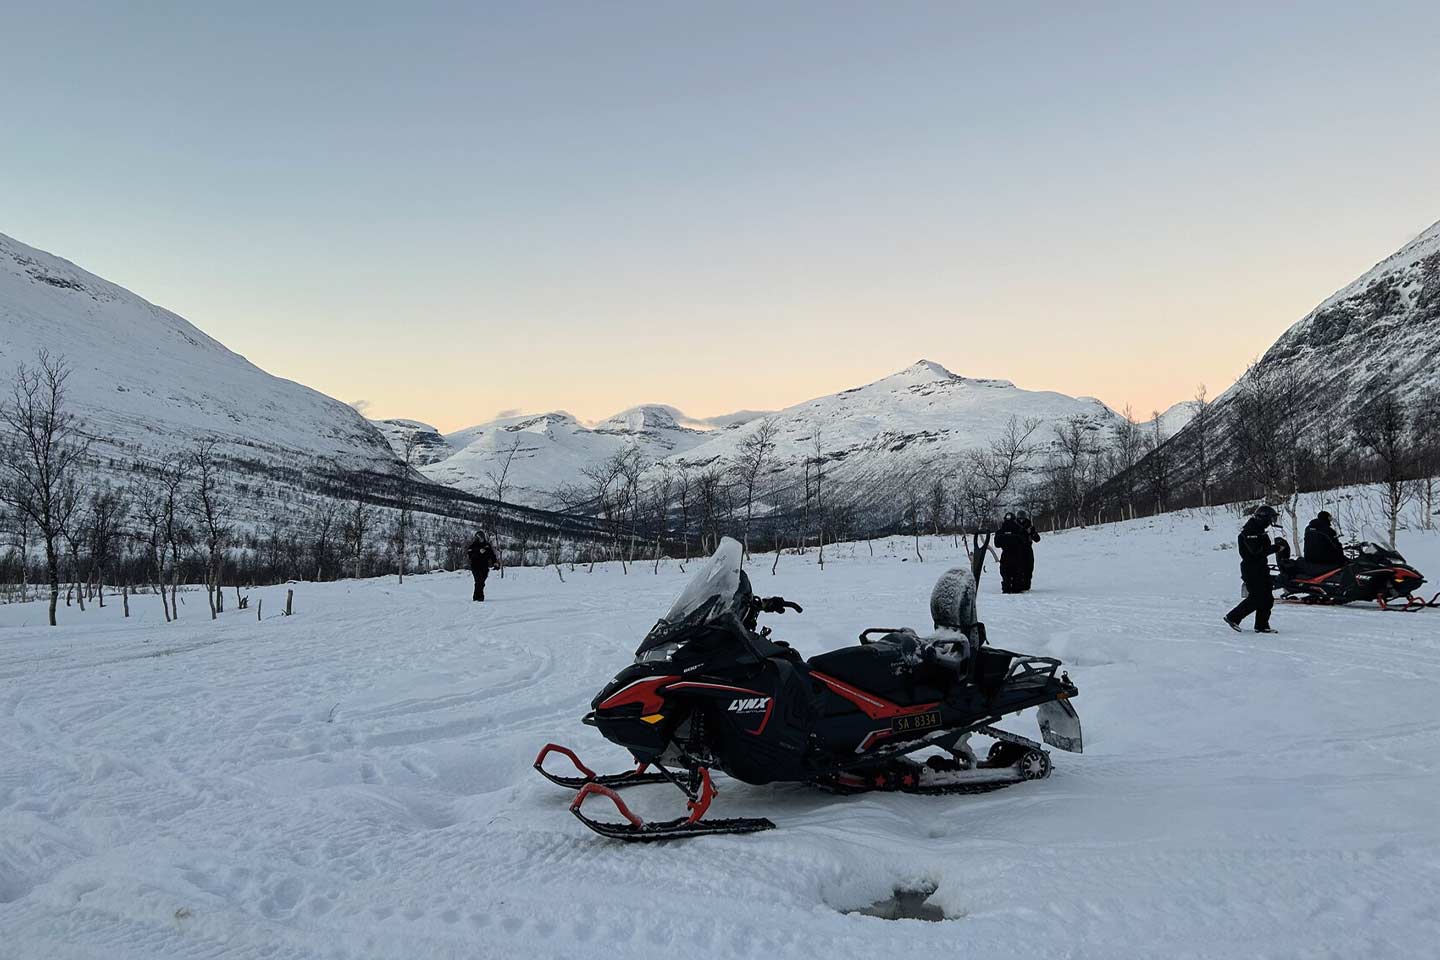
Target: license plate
x,y
918,721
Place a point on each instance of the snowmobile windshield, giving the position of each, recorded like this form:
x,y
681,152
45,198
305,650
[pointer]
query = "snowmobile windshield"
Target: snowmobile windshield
x,y
1373,551
712,593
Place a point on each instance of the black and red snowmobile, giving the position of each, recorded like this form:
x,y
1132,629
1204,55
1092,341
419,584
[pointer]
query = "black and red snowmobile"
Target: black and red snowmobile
x,y
708,692
1371,573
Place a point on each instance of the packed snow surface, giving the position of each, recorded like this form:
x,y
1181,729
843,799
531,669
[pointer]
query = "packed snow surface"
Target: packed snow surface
x,y
354,781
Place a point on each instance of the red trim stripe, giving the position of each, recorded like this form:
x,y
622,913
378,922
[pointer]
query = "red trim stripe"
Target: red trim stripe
x,y
874,707
645,692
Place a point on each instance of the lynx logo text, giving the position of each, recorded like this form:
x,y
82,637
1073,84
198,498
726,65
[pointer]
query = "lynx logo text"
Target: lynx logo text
x,y
748,705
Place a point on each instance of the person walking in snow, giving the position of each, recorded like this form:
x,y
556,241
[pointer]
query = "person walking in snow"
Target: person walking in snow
x,y
1029,536
1322,541
1007,538
1255,550
482,559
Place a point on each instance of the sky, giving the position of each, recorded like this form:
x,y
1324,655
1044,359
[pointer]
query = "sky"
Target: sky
x,y
443,211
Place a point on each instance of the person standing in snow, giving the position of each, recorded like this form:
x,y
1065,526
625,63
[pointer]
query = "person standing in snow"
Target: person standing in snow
x,y
1007,538
482,559
1029,536
1255,550
1322,541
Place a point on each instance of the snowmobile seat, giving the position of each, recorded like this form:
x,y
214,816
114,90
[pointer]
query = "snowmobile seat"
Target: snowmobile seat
x,y
884,669
1308,569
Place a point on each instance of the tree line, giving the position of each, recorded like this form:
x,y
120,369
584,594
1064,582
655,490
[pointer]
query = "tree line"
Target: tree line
x,y
69,529
1264,442
1075,472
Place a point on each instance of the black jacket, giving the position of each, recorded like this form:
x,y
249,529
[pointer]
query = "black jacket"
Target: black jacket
x,y
1322,543
1008,537
1028,535
1255,550
482,556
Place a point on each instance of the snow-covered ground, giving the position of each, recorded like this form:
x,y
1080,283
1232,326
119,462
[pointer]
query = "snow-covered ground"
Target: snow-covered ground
x,y
355,781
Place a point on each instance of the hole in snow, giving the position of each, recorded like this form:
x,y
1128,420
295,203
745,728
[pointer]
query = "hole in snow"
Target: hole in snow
x,y
904,905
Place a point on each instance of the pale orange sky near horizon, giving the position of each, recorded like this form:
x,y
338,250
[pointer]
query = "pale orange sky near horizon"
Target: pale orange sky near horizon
x,y
1149,348
445,212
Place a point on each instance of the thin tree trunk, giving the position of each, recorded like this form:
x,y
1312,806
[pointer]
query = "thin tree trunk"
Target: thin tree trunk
x,y
53,568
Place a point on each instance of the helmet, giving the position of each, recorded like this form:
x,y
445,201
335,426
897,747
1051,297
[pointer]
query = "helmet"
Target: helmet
x,y
1009,516
1021,515
1323,516
1266,514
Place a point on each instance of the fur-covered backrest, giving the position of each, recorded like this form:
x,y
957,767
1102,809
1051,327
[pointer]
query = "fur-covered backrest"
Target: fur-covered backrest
x,y
952,602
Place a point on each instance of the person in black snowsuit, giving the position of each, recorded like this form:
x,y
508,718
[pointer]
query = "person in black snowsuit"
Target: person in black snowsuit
x,y
1322,541
1255,550
1029,536
1014,543
482,559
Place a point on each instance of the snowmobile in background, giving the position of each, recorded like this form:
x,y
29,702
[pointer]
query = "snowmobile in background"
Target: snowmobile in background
x,y
1370,573
708,692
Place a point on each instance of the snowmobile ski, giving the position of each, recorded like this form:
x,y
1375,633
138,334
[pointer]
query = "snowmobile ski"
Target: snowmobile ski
x,y
1411,604
630,778
636,830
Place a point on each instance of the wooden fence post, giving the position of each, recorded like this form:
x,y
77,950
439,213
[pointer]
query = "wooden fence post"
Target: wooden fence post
x,y
289,602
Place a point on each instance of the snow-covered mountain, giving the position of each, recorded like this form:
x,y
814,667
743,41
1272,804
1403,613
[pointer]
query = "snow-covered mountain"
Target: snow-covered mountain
x,y
546,451
147,383
916,422
1383,329
430,446
869,435
1172,421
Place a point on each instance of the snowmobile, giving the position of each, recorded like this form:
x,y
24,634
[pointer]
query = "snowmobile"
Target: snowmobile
x,y
707,691
1371,572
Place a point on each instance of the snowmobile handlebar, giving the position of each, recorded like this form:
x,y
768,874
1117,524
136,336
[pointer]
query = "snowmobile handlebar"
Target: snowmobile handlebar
x,y
777,605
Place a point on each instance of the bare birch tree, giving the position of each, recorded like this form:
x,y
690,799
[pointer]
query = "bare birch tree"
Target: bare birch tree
x,y
1382,428
1200,429
406,500
753,456
817,476
212,516
43,447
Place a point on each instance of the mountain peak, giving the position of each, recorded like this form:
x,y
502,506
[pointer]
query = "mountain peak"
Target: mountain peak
x,y
927,368
647,416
